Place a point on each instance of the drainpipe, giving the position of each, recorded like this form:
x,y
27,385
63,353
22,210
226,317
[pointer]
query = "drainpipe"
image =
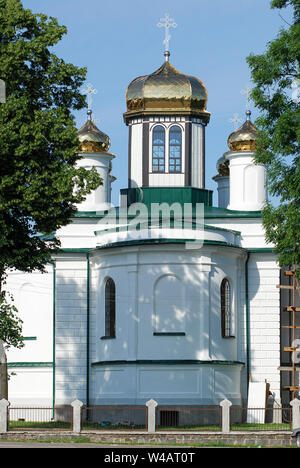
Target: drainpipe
x,y
87,329
53,333
247,318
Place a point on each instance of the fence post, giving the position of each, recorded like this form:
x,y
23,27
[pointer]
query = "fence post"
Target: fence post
x,y
151,404
277,411
295,404
77,405
4,404
225,405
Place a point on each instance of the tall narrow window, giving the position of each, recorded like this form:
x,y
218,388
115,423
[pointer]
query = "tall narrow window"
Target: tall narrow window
x,y
175,149
225,308
110,309
158,149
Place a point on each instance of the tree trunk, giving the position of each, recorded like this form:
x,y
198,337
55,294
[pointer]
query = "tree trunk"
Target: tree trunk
x,y
3,373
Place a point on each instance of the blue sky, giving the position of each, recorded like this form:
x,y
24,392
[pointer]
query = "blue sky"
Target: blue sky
x,y
119,40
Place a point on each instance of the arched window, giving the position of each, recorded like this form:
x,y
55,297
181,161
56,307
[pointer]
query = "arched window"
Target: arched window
x,y
110,309
175,149
158,149
225,308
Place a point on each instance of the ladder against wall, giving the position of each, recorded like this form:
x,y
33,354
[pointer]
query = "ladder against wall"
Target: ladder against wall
x,y
294,348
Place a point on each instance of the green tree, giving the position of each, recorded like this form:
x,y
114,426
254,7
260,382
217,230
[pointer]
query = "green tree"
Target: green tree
x,y
276,94
10,335
40,184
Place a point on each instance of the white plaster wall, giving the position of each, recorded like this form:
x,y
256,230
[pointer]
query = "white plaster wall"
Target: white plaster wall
x,y
198,311
251,229
224,267
71,328
79,233
196,155
98,199
30,386
33,297
223,190
264,320
136,155
136,271
166,180
247,182
168,384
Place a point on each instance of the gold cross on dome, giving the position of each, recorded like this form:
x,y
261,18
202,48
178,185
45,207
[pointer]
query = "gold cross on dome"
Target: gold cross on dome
x,y
167,23
235,120
246,92
89,90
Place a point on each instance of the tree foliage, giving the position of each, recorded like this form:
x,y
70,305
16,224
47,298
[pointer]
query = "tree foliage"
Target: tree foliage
x,y
10,335
277,81
10,323
40,184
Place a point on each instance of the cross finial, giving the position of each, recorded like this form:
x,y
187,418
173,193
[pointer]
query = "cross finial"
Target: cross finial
x,y
90,113
167,23
235,120
89,90
246,92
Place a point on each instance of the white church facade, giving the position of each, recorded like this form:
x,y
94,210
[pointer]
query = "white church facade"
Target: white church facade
x,y
181,305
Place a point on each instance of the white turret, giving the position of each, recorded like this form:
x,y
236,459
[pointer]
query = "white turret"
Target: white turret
x,y
246,190
94,153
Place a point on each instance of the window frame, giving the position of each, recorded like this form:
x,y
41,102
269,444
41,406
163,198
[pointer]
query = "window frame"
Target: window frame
x,y
172,158
226,308
109,309
155,171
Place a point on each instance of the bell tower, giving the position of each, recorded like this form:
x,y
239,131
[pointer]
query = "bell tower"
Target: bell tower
x,y
166,116
94,153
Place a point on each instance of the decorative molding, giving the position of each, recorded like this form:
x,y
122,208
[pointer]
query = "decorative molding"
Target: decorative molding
x,y
169,334
168,362
30,364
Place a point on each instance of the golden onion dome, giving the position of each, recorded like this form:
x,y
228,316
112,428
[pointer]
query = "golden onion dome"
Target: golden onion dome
x,y
223,166
92,140
166,91
244,138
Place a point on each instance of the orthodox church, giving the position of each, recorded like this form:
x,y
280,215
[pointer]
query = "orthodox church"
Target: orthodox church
x,y
165,296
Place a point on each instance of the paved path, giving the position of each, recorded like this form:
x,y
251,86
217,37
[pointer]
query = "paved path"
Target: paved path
x,y
127,448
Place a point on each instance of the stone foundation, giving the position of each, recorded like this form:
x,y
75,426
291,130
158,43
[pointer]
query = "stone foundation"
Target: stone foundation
x,y
264,439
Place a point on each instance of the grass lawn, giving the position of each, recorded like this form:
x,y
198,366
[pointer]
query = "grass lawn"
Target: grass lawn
x,y
14,425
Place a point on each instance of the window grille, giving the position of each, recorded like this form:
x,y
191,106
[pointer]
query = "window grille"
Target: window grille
x,y
175,147
158,149
110,308
169,418
225,308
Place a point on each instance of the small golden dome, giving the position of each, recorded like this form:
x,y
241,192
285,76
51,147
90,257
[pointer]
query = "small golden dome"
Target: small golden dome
x,y
223,166
92,140
166,91
244,138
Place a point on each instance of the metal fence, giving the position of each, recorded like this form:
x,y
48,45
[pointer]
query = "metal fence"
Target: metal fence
x,y
189,418
166,418
40,418
114,418
260,419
